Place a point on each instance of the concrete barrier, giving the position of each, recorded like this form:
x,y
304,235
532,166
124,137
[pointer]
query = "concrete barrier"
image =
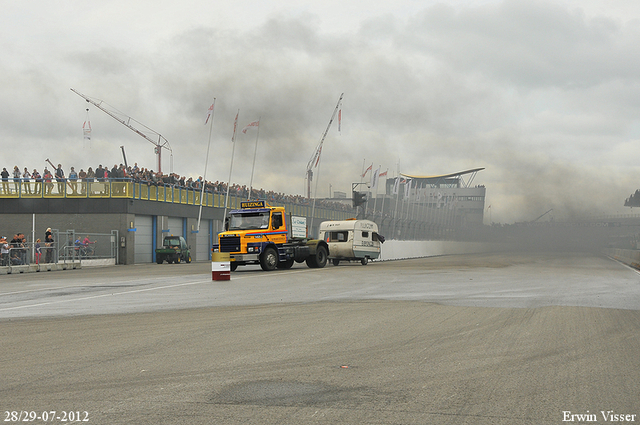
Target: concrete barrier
x,y
390,250
398,250
630,257
34,268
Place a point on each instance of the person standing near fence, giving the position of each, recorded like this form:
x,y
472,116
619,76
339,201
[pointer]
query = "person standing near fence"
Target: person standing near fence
x,y
37,178
48,243
60,179
26,177
82,175
89,250
4,252
22,251
73,178
47,177
16,178
38,251
5,181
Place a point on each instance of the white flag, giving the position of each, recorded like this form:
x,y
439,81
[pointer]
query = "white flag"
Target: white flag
x,y
407,188
374,179
396,184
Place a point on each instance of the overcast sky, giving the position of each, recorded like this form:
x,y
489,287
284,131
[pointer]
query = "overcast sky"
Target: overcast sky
x,y
544,95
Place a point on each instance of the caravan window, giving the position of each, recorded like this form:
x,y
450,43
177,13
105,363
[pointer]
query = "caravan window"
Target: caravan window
x,y
337,236
365,235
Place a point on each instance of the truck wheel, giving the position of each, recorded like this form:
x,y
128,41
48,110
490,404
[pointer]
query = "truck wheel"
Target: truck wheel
x,y
178,259
319,259
159,260
364,261
287,264
335,261
269,259
188,259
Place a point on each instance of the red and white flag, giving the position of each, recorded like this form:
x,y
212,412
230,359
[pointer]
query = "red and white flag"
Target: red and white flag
x,y
383,174
367,170
251,124
86,130
209,113
235,126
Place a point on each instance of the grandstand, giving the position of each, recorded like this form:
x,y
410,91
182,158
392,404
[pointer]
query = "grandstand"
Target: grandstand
x,y
427,207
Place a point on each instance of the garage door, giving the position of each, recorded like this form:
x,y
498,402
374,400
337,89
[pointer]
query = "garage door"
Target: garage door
x,y
203,242
143,239
174,225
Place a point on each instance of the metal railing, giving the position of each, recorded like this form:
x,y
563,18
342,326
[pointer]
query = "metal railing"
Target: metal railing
x,y
26,254
98,246
124,188
67,247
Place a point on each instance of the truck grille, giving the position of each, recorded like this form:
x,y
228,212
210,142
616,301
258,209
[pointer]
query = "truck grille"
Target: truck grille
x,y
230,244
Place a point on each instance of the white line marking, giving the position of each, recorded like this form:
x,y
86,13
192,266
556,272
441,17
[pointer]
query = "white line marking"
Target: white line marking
x,y
133,291
103,295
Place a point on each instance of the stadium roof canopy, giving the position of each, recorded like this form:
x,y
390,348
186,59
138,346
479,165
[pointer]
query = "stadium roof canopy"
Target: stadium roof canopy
x,y
451,180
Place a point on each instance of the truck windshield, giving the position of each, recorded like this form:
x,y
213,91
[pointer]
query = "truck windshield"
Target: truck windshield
x,y
246,221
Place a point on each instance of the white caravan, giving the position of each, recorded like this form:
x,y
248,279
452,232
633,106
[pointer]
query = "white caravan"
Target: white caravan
x,y
351,240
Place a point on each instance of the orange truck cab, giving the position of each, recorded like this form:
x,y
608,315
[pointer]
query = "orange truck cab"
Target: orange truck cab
x,y
258,233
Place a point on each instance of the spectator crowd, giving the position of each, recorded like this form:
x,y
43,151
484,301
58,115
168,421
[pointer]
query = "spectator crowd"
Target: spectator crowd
x,y
11,183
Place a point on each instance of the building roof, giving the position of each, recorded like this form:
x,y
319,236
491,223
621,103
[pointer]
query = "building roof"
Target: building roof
x,y
443,176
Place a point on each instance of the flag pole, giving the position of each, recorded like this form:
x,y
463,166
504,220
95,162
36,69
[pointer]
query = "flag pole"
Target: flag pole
x,y
396,188
375,196
352,195
316,157
255,151
233,149
206,162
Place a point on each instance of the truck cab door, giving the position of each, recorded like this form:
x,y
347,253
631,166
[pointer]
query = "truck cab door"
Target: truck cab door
x,y
276,220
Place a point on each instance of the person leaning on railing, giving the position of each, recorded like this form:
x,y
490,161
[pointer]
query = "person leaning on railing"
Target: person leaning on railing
x,y
16,178
38,179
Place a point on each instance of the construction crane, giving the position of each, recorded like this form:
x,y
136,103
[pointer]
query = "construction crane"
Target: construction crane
x,y
160,143
533,221
315,158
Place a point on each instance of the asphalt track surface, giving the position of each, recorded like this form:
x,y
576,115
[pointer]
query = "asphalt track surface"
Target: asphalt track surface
x,y
471,339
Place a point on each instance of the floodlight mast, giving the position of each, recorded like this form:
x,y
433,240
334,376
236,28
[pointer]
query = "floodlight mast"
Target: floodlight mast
x,y
159,144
